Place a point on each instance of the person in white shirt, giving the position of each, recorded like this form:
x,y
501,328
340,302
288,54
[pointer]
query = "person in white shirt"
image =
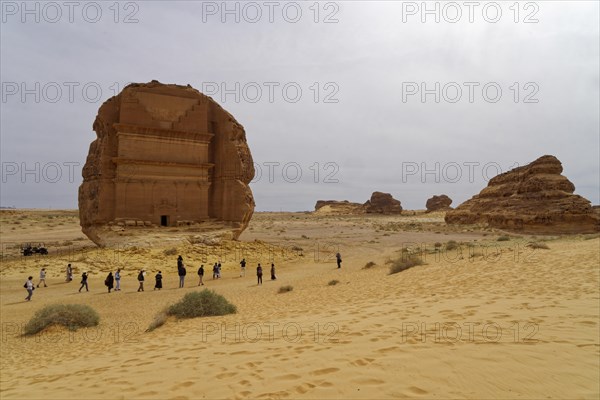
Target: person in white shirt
x,y
42,278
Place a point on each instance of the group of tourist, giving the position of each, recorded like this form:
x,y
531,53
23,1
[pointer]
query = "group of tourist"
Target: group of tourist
x,y
114,281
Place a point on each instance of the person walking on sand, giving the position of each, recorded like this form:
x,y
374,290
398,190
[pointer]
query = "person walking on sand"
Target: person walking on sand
x,y
215,271
259,274
141,280
158,283
201,275
69,274
42,278
219,270
118,280
181,271
29,286
338,258
273,277
243,267
109,281
84,278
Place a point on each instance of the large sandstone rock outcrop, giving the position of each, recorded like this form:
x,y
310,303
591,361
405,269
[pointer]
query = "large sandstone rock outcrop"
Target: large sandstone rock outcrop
x,y
534,198
338,207
165,155
438,203
382,203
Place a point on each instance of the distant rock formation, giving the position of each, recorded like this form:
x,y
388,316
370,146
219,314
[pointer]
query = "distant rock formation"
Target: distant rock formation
x,y
165,155
338,207
534,198
382,203
438,203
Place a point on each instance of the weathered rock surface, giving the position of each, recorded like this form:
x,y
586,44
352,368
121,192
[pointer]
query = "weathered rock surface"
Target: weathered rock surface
x,y
534,198
165,155
382,203
338,207
438,203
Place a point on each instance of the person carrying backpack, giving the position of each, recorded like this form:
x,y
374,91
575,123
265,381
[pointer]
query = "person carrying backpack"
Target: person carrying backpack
x,y
30,288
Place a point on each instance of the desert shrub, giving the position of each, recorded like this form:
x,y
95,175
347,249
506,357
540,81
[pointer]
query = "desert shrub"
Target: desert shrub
x,y
451,245
201,304
370,264
297,248
71,316
503,238
404,263
304,237
158,321
590,237
538,245
437,244
285,289
170,252
333,282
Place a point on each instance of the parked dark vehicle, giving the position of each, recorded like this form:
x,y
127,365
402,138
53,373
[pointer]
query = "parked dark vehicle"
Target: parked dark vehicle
x,y
29,250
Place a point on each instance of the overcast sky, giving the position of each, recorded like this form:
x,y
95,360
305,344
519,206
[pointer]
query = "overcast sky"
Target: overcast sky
x,y
342,92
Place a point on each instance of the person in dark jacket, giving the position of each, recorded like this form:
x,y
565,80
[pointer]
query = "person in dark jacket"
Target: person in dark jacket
x,y
141,277
181,271
273,277
84,283
338,259
259,274
109,281
201,275
158,283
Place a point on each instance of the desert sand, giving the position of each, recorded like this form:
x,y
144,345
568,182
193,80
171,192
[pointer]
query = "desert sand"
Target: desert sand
x,y
489,319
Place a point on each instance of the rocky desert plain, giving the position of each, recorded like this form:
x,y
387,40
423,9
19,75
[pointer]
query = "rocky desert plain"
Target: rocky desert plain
x,y
487,316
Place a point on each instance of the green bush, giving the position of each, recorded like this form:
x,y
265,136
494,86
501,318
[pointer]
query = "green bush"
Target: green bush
x,y
333,282
503,239
451,245
285,289
170,252
201,304
71,316
159,320
404,263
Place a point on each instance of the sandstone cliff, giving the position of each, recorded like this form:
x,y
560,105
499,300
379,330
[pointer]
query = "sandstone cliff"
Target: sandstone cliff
x,y
534,198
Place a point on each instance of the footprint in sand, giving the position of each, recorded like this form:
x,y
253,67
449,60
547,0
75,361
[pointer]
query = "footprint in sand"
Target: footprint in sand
x,y
305,387
368,381
226,375
287,377
387,349
324,371
361,362
417,390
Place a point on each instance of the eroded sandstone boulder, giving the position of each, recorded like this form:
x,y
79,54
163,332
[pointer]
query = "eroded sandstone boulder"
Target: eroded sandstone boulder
x,y
438,203
382,203
165,155
534,198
